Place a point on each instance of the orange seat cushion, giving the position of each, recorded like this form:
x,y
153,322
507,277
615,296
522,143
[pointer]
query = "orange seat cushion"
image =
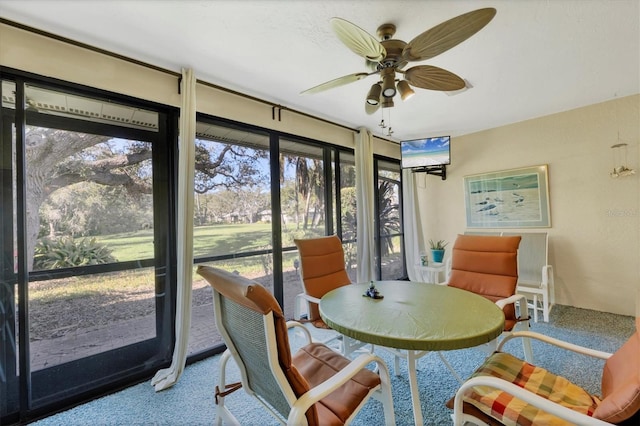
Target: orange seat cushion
x,y
317,363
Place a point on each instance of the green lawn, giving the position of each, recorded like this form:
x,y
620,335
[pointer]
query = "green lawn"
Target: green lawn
x,y
212,240
215,240
208,241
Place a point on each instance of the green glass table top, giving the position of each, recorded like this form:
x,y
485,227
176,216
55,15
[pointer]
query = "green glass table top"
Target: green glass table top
x,y
413,315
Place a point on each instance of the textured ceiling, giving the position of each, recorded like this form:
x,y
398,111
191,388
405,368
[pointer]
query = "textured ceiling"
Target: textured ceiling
x,y
536,57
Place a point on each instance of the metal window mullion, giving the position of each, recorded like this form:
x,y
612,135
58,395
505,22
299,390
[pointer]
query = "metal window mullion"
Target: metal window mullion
x,y
338,197
376,216
276,212
401,217
24,362
328,198
164,181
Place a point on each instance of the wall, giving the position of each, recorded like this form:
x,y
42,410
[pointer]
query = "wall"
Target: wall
x,y
594,236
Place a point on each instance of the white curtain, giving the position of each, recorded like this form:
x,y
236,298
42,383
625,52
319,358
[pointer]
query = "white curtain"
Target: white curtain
x,y
167,377
413,240
365,206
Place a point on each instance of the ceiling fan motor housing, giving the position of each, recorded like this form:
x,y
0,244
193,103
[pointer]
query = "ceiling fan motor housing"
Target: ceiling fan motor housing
x,y
394,54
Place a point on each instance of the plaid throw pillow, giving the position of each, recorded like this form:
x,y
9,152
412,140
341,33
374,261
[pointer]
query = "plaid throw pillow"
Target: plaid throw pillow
x,y
512,411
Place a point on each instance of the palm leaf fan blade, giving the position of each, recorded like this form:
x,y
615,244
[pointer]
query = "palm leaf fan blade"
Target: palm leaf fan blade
x,y
337,82
446,35
433,78
358,40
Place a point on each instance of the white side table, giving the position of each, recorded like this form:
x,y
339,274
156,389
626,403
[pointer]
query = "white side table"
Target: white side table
x,y
431,272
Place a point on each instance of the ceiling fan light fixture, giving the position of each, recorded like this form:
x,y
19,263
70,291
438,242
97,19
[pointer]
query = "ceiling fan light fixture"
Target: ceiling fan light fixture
x,y
405,90
388,86
373,97
388,76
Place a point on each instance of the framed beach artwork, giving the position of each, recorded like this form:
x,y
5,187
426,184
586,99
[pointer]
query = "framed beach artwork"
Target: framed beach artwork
x,y
516,198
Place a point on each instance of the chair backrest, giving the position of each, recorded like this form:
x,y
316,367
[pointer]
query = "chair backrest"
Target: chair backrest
x,y
322,267
532,256
254,329
621,382
487,265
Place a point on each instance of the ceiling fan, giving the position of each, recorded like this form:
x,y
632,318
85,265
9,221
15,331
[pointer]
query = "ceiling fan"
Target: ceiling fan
x,y
389,56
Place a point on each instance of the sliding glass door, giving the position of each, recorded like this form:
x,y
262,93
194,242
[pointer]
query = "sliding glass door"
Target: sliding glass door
x,y
86,252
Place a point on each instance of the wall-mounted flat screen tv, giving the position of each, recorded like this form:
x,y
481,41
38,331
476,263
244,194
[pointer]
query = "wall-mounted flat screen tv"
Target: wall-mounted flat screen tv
x,y
425,152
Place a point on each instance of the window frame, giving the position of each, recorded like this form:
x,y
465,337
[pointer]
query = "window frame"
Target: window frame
x,y
68,383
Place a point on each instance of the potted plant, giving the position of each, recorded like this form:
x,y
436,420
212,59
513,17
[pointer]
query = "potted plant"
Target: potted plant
x,y
437,250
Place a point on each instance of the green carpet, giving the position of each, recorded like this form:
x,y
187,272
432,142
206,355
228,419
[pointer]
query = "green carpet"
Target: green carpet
x,y
190,401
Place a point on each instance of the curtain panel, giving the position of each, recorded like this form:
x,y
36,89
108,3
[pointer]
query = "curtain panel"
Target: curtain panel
x,y
167,377
365,230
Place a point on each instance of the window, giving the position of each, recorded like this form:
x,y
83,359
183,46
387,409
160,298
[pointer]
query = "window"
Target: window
x,y
232,217
390,232
347,200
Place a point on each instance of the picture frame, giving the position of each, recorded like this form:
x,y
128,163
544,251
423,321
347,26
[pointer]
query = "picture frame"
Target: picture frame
x,y
515,198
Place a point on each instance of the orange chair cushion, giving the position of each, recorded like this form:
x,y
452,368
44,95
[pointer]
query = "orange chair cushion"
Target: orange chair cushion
x,y
317,363
487,265
322,268
621,383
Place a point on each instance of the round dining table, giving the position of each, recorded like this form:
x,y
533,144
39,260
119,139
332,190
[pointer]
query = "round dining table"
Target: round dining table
x,y
415,317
